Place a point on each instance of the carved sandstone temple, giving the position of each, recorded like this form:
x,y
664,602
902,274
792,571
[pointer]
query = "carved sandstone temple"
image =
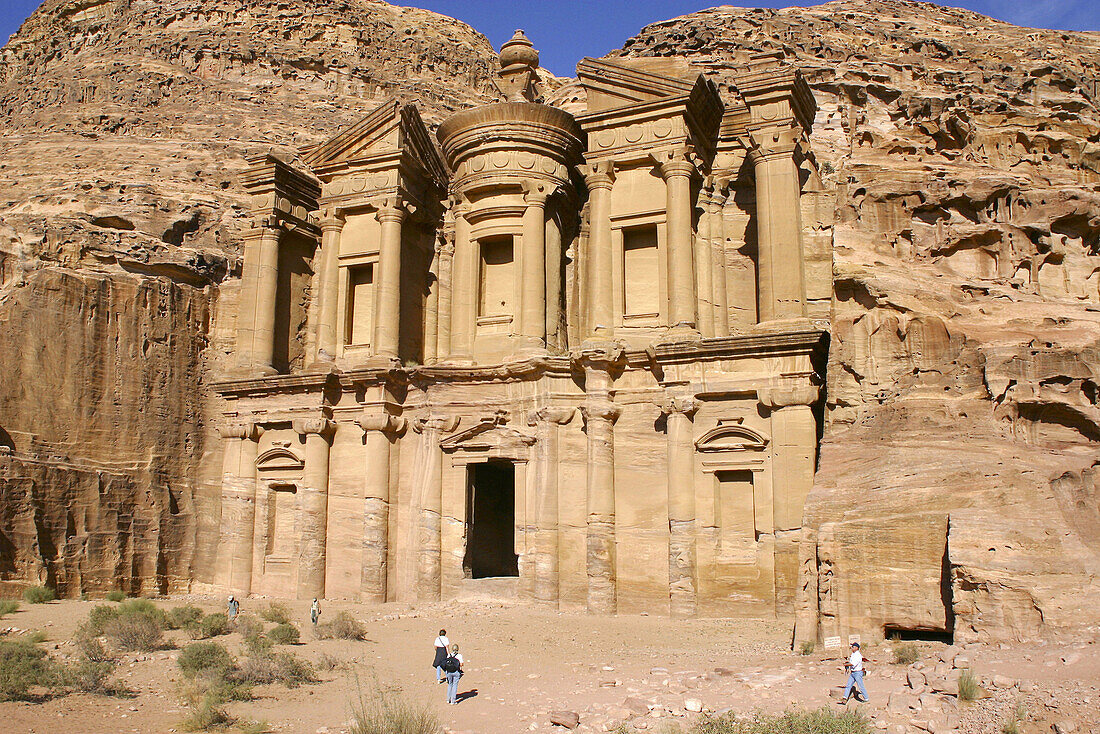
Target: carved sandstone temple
x,y
582,352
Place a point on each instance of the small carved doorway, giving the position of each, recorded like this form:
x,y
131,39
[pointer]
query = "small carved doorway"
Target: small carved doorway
x,y
491,520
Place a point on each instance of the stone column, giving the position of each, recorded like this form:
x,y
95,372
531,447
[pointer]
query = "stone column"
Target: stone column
x,y
600,260
778,224
718,253
428,481
553,282
313,506
328,286
532,313
682,573
259,289
376,505
600,414
387,291
677,170
431,311
546,421
704,285
464,286
445,260
238,505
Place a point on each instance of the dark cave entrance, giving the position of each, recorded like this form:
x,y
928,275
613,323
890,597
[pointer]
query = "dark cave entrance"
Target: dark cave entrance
x,y
491,521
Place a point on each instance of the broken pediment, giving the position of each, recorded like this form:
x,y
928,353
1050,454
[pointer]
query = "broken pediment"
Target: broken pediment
x,y
490,434
279,460
393,130
731,436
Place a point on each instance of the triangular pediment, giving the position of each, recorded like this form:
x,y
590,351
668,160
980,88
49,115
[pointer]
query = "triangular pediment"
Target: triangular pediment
x,y
491,433
390,128
731,436
612,84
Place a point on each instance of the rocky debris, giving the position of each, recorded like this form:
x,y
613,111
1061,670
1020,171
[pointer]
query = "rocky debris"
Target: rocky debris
x,y
568,719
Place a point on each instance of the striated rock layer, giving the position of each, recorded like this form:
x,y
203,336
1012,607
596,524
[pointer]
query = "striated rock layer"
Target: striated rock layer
x,y
957,491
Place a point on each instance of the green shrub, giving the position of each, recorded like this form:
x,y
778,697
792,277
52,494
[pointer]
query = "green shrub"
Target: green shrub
x,y
214,625
969,690
328,662
254,727
206,710
249,626
92,647
143,608
208,658
263,667
98,618
134,632
38,594
183,617
284,634
7,606
807,647
93,676
819,721
906,654
1010,727
277,613
385,711
116,595
23,667
343,626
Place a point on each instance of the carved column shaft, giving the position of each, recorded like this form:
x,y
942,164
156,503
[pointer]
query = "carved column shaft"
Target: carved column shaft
x,y
682,572
443,320
374,571
464,289
600,258
600,415
779,226
704,267
259,288
533,281
718,279
238,505
328,287
553,282
313,507
429,479
677,172
546,521
387,293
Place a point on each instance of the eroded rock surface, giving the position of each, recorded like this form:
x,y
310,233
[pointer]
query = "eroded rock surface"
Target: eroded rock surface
x,y
956,488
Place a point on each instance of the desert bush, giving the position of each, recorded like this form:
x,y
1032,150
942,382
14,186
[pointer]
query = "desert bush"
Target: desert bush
x,y
969,690
254,727
116,595
906,654
23,667
134,632
264,667
208,658
93,676
7,606
38,594
206,709
277,613
328,662
807,648
92,647
183,617
818,721
343,626
249,626
385,711
284,634
100,615
213,625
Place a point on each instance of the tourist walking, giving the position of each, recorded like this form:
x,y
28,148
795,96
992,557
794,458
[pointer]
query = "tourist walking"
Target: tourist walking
x,y
854,666
233,608
441,645
315,612
452,666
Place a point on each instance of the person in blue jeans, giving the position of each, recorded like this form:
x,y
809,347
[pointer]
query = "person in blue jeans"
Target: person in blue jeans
x,y
441,645
854,666
452,667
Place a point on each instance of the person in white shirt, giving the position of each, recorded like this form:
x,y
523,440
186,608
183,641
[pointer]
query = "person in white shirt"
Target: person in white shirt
x,y
441,645
452,666
854,666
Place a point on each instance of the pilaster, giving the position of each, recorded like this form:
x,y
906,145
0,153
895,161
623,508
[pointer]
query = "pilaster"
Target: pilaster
x,y
380,430
387,294
313,506
600,261
677,169
327,279
547,421
238,505
682,572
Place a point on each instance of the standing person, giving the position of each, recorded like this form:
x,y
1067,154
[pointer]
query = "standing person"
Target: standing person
x,y
441,645
854,666
232,609
452,666
314,612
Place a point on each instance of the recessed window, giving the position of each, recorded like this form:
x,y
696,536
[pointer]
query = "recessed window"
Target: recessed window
x,y
497,275
641,272
360,319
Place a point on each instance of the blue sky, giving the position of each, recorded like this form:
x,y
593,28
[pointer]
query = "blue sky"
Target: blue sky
x,y
566,30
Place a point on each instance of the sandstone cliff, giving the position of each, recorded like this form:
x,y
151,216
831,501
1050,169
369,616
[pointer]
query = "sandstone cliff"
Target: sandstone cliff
x,y
125,124
958,487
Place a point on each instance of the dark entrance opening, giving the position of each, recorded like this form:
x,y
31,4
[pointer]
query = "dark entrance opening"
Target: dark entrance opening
x,y
490,521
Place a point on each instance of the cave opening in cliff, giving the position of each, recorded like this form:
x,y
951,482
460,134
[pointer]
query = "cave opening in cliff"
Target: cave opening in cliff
x,y
491,521
894,632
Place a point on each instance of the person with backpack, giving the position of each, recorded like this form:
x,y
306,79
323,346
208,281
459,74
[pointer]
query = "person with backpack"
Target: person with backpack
x,y
233,608
441,645
315,612
452,666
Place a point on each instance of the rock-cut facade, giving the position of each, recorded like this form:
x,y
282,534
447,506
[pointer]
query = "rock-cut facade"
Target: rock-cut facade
x,y
573,358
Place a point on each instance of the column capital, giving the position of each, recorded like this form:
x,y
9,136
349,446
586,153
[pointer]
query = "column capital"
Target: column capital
x,y
601,355
329,219
602,410
535,193
685,404
394,209
264,225
441,423
768,143
320,426
599,175
243,430
384,423
559,415
789,392
672,163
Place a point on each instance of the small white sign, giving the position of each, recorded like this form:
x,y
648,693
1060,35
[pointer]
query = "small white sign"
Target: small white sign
x,y
854,638
831,642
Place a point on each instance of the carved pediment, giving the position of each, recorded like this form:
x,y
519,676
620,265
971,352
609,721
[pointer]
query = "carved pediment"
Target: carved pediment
x,y
731,436
611,84
279,459
490,434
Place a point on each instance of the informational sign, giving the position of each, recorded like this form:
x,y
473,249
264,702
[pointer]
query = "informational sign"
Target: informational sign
x,y
831,642
854,639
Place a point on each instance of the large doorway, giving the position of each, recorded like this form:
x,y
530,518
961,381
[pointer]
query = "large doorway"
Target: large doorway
x,y
491,521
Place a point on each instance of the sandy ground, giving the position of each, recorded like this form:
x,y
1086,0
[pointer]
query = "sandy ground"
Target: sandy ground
x,y
525,661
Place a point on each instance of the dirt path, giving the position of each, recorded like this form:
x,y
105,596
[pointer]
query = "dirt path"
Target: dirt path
x,y
525,661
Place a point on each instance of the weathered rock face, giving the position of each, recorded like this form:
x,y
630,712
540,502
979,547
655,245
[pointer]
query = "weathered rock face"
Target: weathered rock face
x,y
125,124
956,489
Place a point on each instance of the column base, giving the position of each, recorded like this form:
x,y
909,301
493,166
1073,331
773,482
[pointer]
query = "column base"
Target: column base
x,y
264,370
322,366
680,334
379,362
